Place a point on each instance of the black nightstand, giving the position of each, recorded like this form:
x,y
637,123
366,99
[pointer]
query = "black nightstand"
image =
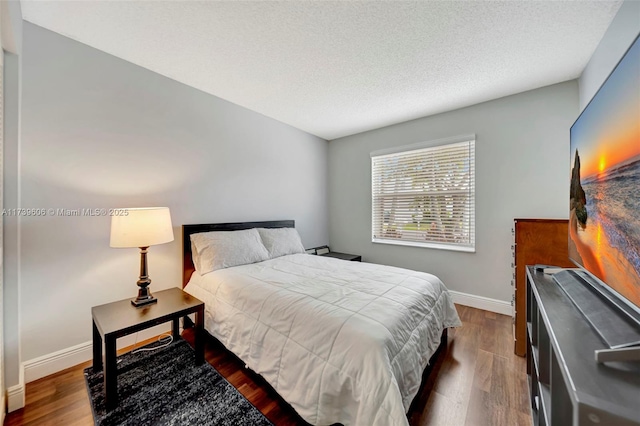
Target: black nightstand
x,y
343,256
119,319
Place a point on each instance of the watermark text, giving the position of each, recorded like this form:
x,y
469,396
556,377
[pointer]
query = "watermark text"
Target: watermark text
x,y
64,212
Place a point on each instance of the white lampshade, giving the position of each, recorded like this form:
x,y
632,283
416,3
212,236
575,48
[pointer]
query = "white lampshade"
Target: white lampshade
x,y
141,227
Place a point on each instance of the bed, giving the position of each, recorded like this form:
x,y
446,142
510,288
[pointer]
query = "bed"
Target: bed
x,y
341,342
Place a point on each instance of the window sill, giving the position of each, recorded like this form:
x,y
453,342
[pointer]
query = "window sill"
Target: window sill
x,y
425,245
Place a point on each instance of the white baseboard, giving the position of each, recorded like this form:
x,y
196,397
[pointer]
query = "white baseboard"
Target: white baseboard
x,y
45,365
481,302
16,394
15,397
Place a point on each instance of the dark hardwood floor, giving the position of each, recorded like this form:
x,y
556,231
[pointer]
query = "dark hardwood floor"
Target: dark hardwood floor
x,y
477,381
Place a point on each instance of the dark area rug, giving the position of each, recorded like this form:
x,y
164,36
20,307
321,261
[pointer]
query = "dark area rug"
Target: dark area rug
x,y
165,387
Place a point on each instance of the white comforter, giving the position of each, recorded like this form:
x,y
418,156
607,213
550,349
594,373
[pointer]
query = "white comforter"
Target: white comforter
x,y
340,341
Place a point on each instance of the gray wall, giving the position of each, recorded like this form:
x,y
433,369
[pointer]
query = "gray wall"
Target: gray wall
x,y
12,35
100,132
624,28
522,155
10,224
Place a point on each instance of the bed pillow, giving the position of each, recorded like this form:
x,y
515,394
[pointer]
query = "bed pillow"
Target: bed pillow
x,y
281,241
224,249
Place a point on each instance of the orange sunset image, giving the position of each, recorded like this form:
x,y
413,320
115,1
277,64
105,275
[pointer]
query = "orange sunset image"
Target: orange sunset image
x,y
604,221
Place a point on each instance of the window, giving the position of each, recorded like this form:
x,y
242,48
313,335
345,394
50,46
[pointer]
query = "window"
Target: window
x,y
424,194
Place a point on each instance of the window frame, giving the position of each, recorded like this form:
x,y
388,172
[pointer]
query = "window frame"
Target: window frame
x,y
469,248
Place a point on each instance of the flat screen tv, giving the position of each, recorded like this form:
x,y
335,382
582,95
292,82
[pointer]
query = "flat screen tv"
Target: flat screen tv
x,y
604,219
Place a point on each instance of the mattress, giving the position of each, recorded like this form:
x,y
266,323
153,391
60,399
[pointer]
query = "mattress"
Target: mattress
x,y
342,342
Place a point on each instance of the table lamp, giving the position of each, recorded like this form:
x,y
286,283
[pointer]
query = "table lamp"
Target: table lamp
x,y
142,227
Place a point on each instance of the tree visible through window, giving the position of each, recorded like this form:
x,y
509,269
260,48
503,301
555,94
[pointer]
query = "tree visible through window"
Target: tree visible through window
x,y
425,195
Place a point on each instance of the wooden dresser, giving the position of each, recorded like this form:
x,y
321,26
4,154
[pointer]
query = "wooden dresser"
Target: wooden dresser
x,y
536,241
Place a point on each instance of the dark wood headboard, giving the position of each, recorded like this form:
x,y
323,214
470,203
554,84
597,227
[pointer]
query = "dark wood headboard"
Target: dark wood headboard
x,y
187,230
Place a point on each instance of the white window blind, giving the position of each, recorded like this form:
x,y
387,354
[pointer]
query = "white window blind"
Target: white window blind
x,y
425,196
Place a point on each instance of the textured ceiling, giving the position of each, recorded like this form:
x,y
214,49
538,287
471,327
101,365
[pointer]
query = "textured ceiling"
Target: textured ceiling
x,y
339,68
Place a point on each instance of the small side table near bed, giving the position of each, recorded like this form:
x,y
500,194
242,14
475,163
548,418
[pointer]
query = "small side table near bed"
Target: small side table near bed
x,y
326,252
343,256
118,319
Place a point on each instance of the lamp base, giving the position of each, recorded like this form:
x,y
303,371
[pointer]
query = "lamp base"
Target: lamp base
x,y
144,295
142,301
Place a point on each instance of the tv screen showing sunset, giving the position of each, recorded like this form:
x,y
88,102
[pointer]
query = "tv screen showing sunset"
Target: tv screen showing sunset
x,y
604,219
